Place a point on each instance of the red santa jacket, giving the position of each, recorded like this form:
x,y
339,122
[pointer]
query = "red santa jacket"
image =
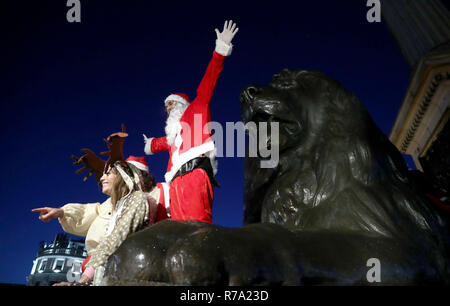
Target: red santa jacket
x,y
194,136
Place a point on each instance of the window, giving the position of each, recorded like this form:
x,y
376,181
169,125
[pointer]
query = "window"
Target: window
x,y
58,265
42,266
76,267
80,250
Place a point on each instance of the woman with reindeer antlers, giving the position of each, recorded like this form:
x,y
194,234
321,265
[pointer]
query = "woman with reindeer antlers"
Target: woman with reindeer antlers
x,y
132,205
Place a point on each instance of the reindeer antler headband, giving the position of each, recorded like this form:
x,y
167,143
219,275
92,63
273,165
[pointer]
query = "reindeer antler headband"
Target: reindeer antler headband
x,y
95,164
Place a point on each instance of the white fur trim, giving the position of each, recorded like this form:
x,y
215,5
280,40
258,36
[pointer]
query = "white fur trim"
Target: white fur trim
x,y
130,182
166,197
178,140
116,215
148,146
138,165
212,157
222,48
176,98
179,159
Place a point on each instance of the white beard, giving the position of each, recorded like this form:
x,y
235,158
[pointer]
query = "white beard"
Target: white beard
x,y
172,122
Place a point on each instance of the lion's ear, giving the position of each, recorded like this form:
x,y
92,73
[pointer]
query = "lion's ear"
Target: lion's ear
x,y
336,128
336,114
345,113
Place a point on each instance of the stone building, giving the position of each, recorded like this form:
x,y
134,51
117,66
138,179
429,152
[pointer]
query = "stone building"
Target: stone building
x,y
422,128
59,261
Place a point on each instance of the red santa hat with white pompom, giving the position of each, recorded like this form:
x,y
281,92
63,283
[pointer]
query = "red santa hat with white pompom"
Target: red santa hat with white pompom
x,y
138,162
178,97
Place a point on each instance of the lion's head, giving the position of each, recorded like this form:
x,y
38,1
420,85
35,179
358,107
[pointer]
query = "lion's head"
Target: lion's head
x,y
337,170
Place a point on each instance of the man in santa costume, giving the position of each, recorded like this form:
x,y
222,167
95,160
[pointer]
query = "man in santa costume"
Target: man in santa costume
x,y
192,165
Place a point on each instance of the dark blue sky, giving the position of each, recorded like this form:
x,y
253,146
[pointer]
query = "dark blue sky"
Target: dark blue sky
x,y
66,86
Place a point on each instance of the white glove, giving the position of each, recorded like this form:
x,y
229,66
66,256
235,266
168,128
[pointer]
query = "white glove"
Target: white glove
x,y
229,30
148,145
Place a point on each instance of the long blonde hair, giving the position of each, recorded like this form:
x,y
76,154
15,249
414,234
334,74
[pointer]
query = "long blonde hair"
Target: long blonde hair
x,y
119,189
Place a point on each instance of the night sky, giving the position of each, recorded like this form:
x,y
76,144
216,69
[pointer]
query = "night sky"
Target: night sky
x,y
66,86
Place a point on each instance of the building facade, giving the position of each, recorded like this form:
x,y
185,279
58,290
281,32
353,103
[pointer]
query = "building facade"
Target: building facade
x,y
59,261
422,128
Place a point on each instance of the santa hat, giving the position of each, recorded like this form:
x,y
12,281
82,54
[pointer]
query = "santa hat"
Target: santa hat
x,y
179,97
138,162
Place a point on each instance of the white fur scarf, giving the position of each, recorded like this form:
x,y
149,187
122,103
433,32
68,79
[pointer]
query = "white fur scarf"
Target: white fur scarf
x,y
134,183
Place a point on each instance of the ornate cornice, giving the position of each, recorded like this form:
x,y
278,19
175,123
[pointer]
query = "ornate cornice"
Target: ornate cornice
x,y
424,104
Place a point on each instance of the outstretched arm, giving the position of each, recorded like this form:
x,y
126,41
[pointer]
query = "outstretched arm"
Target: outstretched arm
x,y
155,145
74,218
48,213
223,48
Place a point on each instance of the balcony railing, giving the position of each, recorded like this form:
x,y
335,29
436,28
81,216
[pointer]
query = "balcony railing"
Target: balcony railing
x,y
63,251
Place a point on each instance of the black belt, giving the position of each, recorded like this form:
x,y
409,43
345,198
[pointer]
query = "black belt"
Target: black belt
x,y
198,162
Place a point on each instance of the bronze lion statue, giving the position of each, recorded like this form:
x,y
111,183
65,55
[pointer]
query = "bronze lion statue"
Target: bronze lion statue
x,y
339,196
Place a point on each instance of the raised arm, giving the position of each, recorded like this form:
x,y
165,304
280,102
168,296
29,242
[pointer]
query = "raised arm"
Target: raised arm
x,y
223,49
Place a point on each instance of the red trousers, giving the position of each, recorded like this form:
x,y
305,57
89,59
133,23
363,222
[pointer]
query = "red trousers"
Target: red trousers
x,y
191,197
